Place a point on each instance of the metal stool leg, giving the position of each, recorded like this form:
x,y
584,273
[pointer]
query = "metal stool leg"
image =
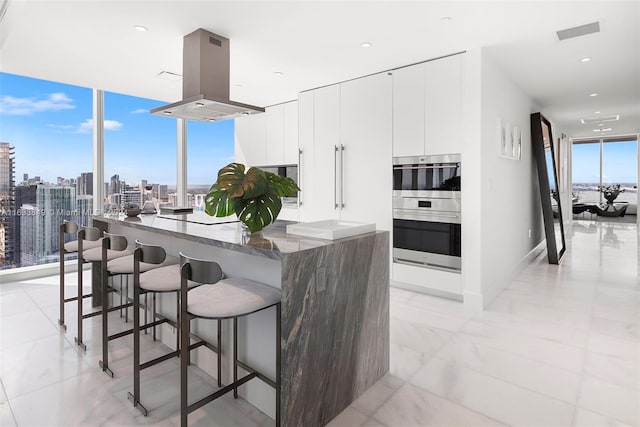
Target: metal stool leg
x,y
126,292
104,363
220,353
61,318
278,361
153,319
78,338
235,357
135,397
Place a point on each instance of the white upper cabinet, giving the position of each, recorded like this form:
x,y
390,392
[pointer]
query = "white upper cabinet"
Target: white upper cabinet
x,y
290,133
258,155
427,108
408,111
443,106
269,139
274,117
242,139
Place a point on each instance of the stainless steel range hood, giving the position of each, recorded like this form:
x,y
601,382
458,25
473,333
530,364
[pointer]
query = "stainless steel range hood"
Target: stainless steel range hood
x,y
205,82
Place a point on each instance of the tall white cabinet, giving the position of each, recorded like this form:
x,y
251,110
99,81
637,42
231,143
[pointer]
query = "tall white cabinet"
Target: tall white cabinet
x,y
427,108
269,139
345,136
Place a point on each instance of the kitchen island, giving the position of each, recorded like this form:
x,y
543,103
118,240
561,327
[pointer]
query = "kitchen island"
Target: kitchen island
x,y
335,307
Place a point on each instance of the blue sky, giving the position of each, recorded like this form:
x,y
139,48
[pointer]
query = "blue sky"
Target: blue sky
x,y
51,128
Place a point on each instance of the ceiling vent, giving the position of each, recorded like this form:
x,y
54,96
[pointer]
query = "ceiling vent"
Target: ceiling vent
x,y
579,31
612,118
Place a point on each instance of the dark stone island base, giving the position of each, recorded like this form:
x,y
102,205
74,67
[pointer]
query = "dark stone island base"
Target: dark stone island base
x,y
335,305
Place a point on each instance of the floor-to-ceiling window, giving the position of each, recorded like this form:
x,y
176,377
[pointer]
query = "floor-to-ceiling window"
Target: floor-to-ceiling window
x,y
46,161
604,162
139,153
46,146
210,148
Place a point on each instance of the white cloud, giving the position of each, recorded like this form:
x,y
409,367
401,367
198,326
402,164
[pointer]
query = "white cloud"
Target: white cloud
x,y
62,127
27,106
87,125
140,111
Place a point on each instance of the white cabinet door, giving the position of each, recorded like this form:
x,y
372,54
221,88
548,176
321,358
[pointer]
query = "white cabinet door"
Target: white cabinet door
x,y
365,133
408,111
325,157
258,140
306,166
242,139
274,117
443,106
290,133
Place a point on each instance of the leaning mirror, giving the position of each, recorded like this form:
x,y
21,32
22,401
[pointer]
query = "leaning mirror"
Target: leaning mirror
x,y
543,151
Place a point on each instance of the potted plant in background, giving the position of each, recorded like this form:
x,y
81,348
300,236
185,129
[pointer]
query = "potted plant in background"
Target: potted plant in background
x,y
254,196
610,192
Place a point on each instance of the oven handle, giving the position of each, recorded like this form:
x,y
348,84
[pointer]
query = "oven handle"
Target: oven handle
x,y
425,264
427,217
426,167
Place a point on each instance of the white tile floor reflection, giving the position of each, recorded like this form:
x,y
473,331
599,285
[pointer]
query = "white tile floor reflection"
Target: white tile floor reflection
x,y
559,347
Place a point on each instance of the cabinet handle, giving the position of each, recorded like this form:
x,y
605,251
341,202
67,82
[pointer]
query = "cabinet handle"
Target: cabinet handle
x,y
300,176
335,176
341,176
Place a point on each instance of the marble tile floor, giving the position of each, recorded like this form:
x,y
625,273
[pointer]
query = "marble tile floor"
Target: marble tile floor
x,y
559,347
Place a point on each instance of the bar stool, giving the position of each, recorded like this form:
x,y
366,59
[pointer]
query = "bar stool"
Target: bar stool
x,y
157,280
229,298
93,255
70,227
121,266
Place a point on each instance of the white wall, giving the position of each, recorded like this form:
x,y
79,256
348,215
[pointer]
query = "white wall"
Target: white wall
x,y
501,197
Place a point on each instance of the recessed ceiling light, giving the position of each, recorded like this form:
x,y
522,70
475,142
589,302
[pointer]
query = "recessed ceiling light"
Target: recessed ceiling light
x,y
141,28
596,112
600,124
593,94
199,104
446,19
168,113
366,44
606,129
278,73
585,60
597,130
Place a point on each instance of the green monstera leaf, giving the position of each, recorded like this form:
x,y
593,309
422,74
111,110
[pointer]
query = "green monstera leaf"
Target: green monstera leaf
x,y
258,212
254,196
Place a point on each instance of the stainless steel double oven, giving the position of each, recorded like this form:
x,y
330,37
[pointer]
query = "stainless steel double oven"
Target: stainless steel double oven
x,y
426,211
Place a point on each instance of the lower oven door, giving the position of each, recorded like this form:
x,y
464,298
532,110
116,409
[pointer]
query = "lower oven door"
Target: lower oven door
x,y
427,243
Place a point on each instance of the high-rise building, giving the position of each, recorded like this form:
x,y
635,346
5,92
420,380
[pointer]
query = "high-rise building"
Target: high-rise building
x,y
164,193
28,235
131,195
84,209
56,204
25,196
84,184
7,205
114,185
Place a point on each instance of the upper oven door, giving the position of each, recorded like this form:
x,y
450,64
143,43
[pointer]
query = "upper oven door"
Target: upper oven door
x,y
427,176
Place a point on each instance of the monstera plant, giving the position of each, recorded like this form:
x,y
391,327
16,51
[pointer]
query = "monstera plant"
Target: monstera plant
x,y
254,196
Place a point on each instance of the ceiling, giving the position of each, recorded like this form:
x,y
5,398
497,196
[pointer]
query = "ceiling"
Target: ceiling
x,y
94,44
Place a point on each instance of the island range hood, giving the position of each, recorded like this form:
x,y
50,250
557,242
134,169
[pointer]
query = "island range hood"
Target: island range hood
x,y
205,82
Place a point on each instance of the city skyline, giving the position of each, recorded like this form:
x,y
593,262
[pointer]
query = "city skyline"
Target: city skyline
x,y
45,120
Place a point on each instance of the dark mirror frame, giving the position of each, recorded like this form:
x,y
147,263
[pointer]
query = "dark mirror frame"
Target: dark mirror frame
x,y
544,177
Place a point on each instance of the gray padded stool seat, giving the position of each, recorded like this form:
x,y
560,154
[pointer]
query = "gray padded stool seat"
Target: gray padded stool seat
x,y
95,254
163,279
124,265
72,246
229,298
